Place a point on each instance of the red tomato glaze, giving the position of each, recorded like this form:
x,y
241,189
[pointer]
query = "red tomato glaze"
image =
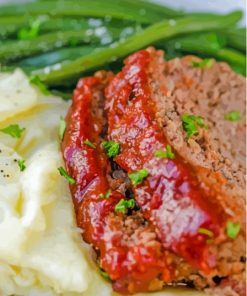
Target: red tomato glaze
x,y
170,198
131,266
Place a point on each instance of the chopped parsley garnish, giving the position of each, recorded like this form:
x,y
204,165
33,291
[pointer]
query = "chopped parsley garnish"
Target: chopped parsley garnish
x,y
165,154
31,32
205,231
191,124
206,63
62,128
124,204
137,177
105,275
21,164
63,173
89,143
209,241
14,130
233,116
105,196
40,85
232,229
112,148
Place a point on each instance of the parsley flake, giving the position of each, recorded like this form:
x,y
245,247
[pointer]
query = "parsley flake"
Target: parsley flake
x,y
89,143
137,177
112,148
105,196
21,164
191,124
232,229
206,63
205,231
123,205
165,154
40,85
62,128
105,275
233,116
31,32
63,173
210,241
14,130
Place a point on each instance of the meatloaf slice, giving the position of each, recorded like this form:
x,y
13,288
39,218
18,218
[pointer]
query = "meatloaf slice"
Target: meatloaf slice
x,y
211,93
216,153
175,232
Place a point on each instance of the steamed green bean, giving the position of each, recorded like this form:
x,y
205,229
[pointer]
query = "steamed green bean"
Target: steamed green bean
x,y
9,25
210,44
159,31
93,8
236,38
54,57
13,50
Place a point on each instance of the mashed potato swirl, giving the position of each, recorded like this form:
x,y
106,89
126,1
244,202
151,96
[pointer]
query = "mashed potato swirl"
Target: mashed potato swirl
x,y
41,250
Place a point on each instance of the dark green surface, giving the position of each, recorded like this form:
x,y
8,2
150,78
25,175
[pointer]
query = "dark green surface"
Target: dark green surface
x,y
61,40
209,45
159,31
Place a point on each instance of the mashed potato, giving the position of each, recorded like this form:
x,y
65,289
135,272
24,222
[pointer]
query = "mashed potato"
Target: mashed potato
x,y
41,250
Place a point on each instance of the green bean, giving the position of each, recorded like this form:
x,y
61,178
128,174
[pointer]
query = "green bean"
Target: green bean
x,y
146,6
236,38
211,44
13,19
45,24
232,56
13,26
93,8
9,25
162,30
63,54
12,50
204,43
238,69
56,24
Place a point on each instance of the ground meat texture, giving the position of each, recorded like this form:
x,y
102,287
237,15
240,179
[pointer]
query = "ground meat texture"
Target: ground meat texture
x,y
139,249
217,154
210,93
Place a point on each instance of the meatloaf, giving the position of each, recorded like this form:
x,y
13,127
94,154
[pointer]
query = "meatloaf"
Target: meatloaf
x,y
157,156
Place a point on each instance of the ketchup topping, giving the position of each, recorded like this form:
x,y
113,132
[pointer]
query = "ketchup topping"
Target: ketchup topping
x,y
132,266
170,197
171,205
